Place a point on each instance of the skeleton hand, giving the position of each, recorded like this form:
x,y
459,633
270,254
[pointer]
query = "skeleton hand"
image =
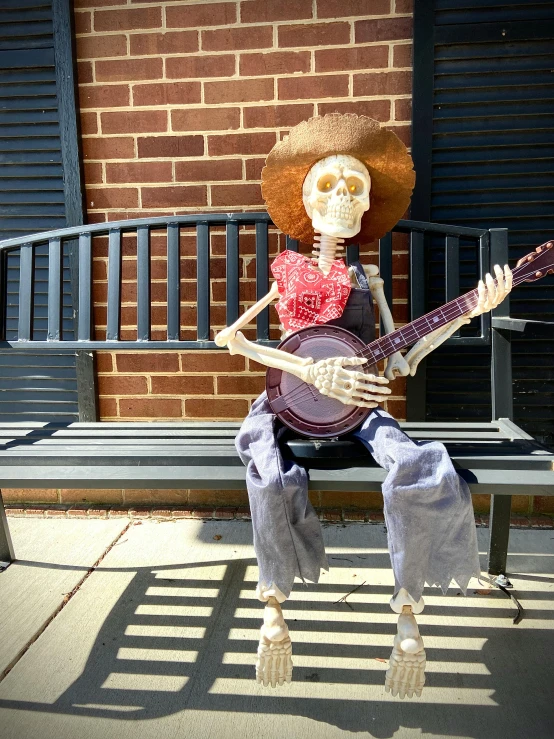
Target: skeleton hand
x,y
396,365
492,295
349,386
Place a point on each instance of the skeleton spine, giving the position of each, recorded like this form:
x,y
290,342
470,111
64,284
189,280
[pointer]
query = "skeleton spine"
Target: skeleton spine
x,y
325,250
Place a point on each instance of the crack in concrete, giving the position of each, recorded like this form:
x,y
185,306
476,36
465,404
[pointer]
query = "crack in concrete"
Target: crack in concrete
x,y
65,601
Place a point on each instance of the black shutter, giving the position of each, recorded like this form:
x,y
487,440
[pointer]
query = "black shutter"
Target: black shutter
x,y
484,151
33,196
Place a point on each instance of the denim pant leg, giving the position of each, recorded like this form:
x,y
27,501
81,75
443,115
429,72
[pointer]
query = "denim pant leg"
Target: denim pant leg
x,y
287,534
428,509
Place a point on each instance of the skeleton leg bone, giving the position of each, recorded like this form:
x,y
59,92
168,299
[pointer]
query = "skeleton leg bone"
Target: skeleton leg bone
x,y
274,664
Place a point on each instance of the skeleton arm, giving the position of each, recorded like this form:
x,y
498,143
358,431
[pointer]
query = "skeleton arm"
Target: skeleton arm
x,y
490,295
330,376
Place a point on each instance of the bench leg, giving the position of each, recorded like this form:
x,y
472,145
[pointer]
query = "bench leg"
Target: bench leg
x,y
7,553
499,533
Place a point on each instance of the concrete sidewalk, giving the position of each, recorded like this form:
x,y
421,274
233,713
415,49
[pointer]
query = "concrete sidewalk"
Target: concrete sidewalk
x,y
159,639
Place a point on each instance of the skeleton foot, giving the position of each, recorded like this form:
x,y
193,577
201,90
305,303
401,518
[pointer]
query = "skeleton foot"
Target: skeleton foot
x,y
406,673
274,664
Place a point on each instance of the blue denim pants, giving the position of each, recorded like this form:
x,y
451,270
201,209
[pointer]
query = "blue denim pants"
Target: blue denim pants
x,y
428,509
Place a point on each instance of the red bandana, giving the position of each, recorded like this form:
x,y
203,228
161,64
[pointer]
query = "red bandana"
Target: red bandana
x,y
307,296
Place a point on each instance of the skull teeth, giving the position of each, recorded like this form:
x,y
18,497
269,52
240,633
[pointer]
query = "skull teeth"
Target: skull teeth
x,y
343,212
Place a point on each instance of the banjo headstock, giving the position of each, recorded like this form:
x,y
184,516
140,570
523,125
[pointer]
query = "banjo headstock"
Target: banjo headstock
x,y
537,264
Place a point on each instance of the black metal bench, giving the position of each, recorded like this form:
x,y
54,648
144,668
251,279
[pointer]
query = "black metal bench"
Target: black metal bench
x,y
496,457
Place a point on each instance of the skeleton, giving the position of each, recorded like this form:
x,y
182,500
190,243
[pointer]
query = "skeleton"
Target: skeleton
x,y
336,194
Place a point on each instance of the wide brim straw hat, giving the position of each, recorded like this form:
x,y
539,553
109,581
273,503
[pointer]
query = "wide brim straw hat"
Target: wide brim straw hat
x,y
385,156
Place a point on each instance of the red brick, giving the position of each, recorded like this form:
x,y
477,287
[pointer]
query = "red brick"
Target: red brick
x,y
139,512
118,513
174,197
104,96
93,47
93,173
403,110
349,515
107,407
403,6
215,361
205,119
402,55
315,34
240,385
404,133
383,29
236,195
330,515
376,518
358,57
98,513
241,143
128,70
15,512
215,408
84,72
345,8
238,91
150,408
83,22
112,197
276,116
134,121
262,11
148,362
88,122
196,16
208,170
222,65
182,385
224,513
176,93
232,39
543,504
383,83
181,513
202,512
125,172
243,513
104,362
170,146
96,3
378,109
122,385
161,513
127,19
254,168
56,513
397,409
541,522
294,88
280,62
168,42
106,148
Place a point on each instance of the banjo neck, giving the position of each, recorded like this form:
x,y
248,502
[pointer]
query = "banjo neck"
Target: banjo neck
x,y
532,267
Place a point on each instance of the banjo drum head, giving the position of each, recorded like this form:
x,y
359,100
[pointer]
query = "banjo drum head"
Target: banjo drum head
x,y
302,407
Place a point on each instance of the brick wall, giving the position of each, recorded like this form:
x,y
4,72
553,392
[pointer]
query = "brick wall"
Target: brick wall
x,y
180,103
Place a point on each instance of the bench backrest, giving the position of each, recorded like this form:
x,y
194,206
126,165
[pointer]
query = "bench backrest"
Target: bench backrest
x,y
20,314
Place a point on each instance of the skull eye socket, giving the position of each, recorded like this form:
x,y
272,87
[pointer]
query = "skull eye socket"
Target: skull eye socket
x,y
355,186
326,183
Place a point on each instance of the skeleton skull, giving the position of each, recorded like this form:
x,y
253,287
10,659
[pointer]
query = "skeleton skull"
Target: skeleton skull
x,y
336,195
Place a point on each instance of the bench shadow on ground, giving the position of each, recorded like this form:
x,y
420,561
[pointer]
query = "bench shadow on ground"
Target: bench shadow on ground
x,y
516,684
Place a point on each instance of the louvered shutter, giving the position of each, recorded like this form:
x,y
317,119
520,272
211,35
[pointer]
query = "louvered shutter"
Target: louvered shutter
x,y
39,386
484,151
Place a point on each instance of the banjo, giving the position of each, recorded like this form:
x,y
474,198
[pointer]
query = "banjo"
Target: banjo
x,y
306,411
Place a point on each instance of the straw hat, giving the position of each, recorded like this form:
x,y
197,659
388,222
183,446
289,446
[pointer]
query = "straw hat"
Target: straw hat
x,y
385,156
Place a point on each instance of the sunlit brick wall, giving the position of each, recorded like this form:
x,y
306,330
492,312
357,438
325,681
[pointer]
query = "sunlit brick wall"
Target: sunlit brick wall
x,y
180,103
